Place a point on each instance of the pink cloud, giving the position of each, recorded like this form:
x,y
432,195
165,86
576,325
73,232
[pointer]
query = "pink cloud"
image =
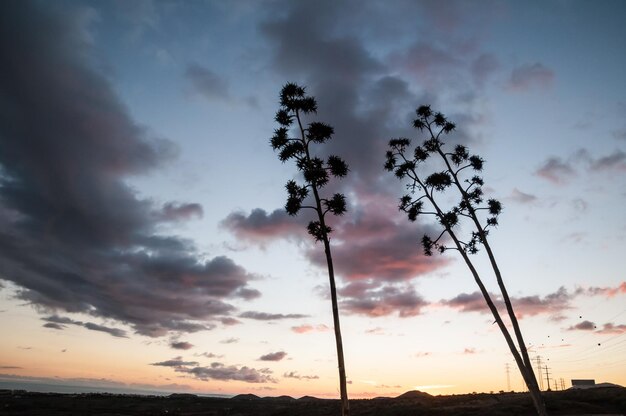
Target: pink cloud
x,y
303,329
609,292
610,328
378,243
556,171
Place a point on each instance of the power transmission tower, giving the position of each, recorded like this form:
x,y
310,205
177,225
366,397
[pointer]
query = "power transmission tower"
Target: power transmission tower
x,y
562,384
547,377
540,378
508,378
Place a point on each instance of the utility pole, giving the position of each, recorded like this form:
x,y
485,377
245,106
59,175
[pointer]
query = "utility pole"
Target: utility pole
x,y
508,378
538,358
547,377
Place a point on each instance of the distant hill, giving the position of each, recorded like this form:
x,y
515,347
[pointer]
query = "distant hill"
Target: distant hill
x,y
279,398
414,394
308,399
245,397
183,396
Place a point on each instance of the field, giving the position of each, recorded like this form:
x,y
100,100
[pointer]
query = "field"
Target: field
x,y
601,401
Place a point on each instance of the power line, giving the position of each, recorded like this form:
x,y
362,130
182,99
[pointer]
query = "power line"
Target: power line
x,y
548,377
508,378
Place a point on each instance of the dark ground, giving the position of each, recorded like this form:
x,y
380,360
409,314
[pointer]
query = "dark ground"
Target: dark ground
x,y
601,401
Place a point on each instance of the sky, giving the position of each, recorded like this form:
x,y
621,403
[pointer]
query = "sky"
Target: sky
x,y
143,238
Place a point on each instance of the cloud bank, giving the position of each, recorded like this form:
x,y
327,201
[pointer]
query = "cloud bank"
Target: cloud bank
x,y
74,235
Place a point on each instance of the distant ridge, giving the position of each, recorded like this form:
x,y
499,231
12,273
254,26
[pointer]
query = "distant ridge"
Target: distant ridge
x,y
308,399
414,394
246,397
280,398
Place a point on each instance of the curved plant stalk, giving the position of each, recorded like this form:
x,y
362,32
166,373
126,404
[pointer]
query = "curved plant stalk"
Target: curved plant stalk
x,y
471,202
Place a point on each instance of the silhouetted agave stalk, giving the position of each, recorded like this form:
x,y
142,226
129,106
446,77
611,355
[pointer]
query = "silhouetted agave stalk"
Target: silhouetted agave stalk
x,y
294,104
426,197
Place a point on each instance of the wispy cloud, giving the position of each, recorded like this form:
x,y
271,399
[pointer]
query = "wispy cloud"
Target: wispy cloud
x,y
264,316
60,323
207,83
522,197
295,375
556,171
303,329
531,76
175,362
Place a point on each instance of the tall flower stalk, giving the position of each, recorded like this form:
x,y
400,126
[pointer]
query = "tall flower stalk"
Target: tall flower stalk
x,y
316,173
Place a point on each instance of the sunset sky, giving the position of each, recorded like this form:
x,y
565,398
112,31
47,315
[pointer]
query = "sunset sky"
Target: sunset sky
x,y
143,239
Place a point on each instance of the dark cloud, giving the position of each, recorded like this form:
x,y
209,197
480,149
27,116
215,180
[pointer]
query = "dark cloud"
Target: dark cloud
x,y
9,367
116,332
247,294
260,226
374,300
52,325
229,341
469,351
73,234
228,321
468,302
529,76
207,83
172,211
377,242
273,356
264,316
181,345
295,375
219,371
583,326
175,362
556,171
367,99
60,322
553,304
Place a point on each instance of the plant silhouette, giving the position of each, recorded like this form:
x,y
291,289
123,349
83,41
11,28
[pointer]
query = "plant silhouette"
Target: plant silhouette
x,y
316,172
428,195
